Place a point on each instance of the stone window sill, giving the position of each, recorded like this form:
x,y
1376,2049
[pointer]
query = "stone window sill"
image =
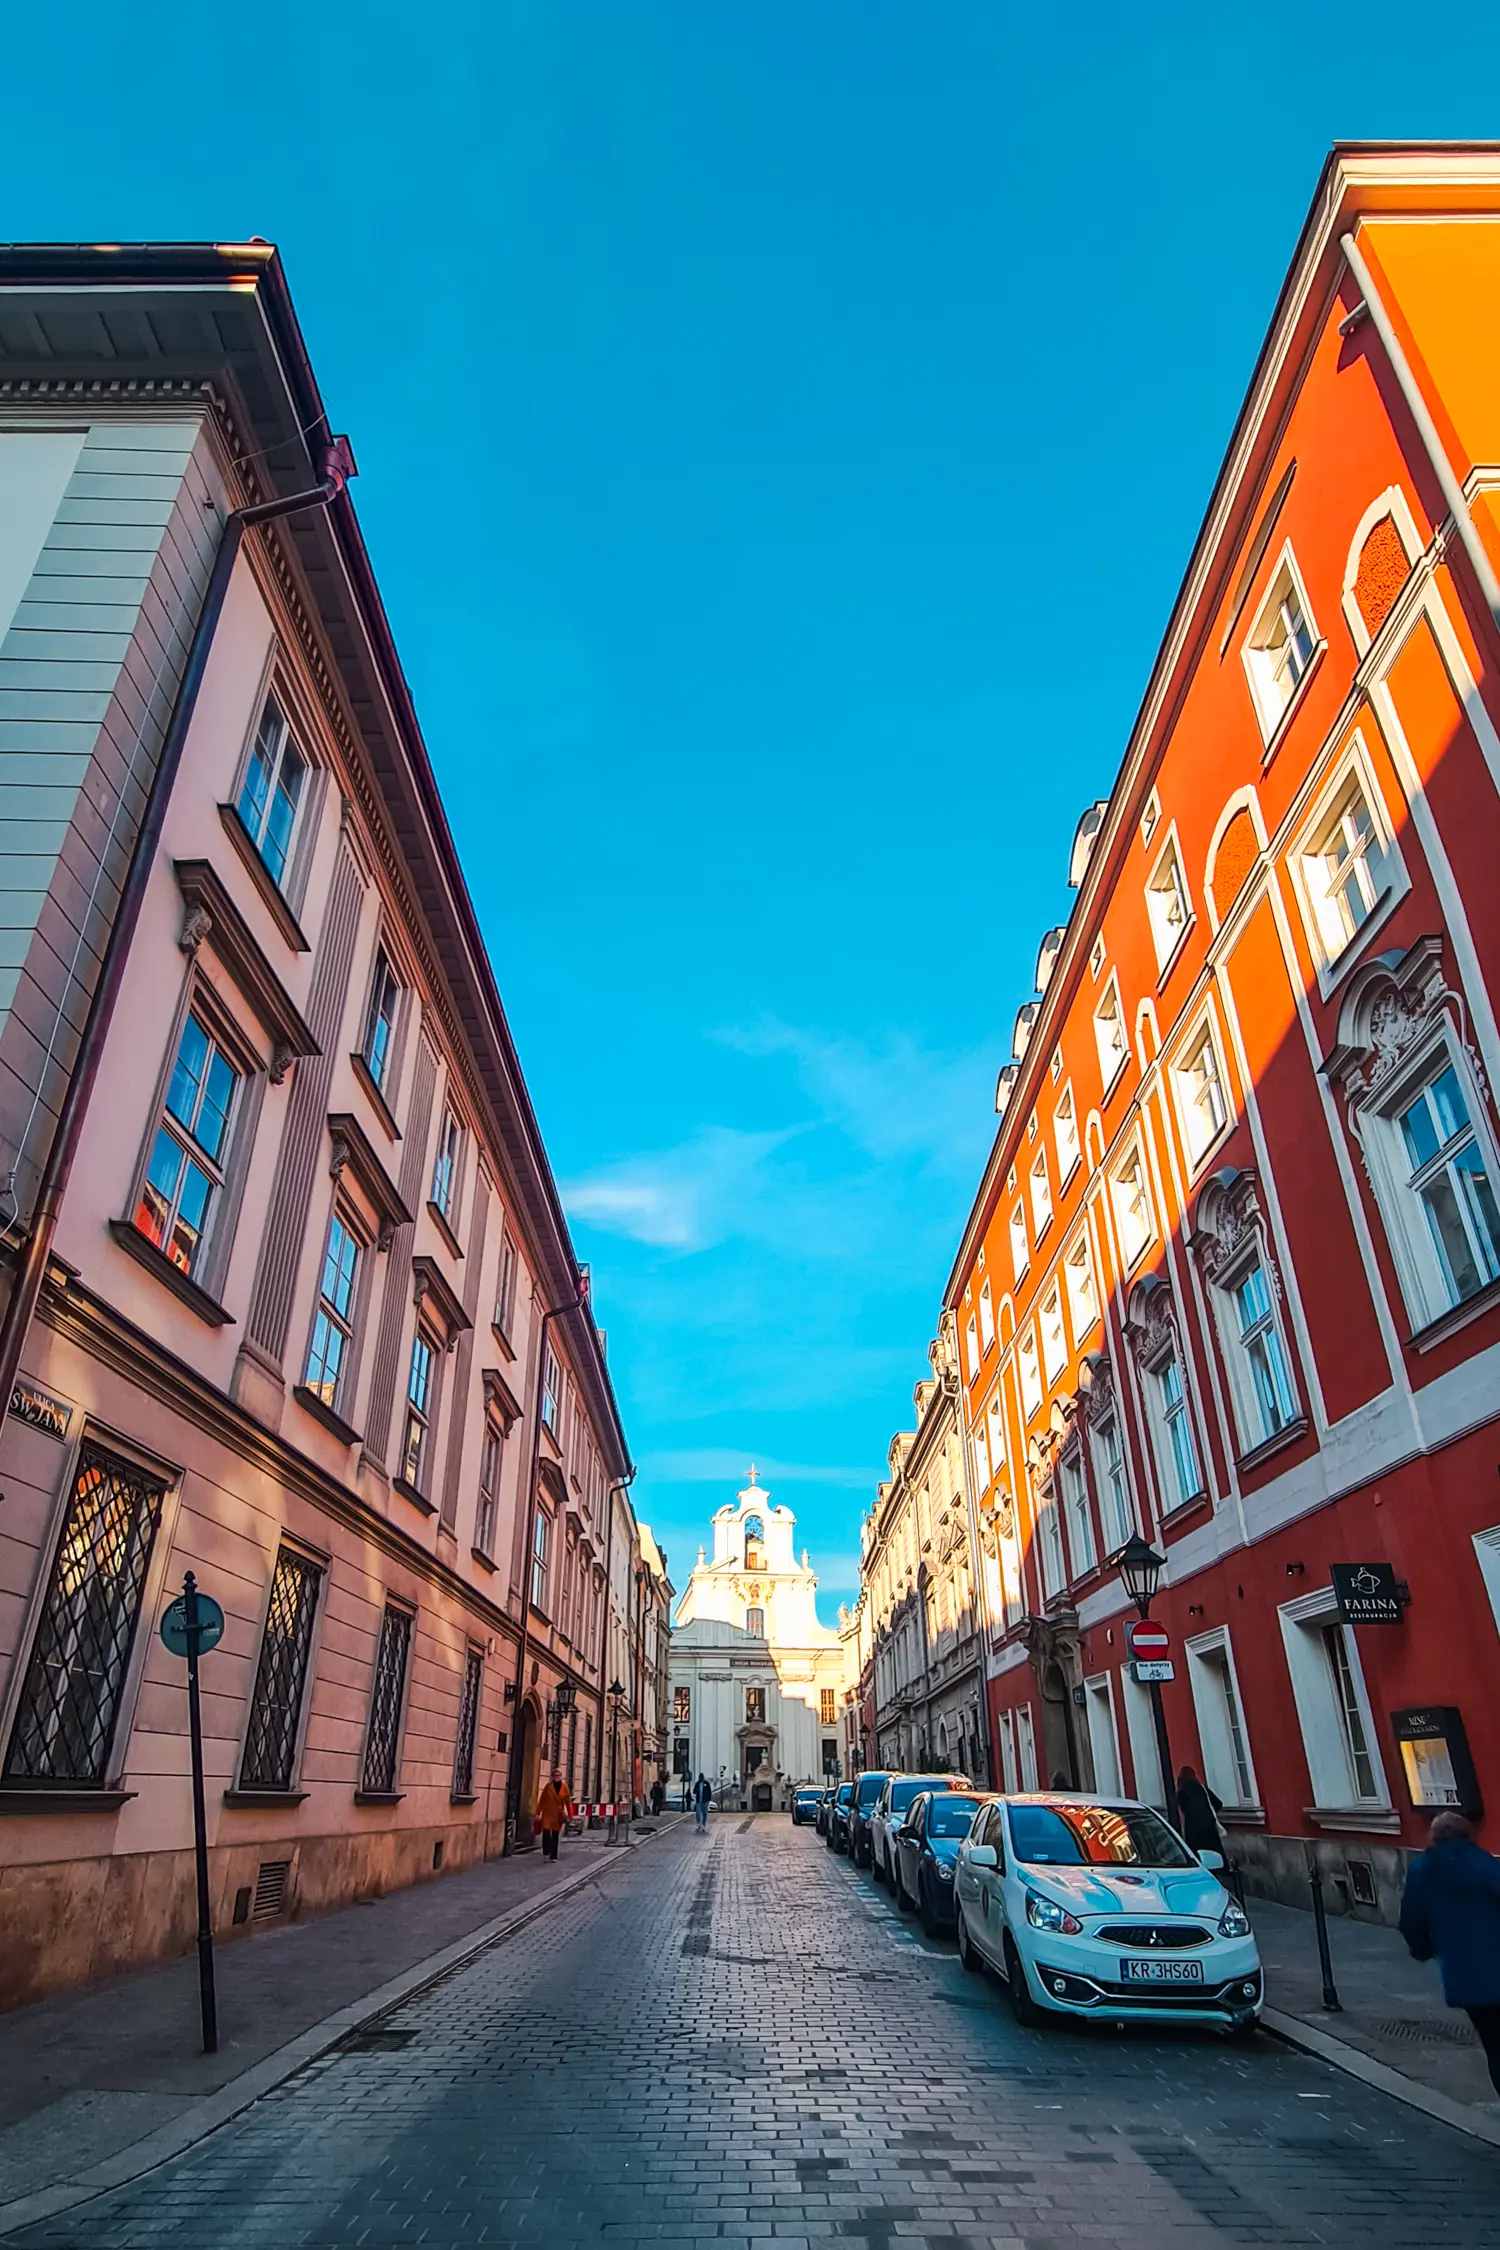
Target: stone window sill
x,y
64,1800
415,1499
1242,1816
506,1347
375,1097
444,1225
1457,1316
1295,1429
463,1797
485,1562
247,1797
1355,1820
264,881
160,1266
378,1796
329,1416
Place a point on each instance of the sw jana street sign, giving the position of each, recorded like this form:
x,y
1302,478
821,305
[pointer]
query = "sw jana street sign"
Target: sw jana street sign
x,y
1147,1640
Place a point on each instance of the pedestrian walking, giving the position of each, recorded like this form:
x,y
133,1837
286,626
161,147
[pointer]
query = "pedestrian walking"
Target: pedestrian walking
x,y
554,1806
658,1796
703,1797
1451,1912
1198,1811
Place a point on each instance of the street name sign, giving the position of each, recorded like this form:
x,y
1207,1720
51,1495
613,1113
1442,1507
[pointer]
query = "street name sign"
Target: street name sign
x,y
174,1627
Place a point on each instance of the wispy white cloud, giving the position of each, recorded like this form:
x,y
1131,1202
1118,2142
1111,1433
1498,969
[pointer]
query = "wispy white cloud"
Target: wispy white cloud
x,y
683,1198
723,1465
894,1098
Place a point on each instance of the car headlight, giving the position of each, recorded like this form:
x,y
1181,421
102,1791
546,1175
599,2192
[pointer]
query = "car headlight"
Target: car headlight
x,y
1046,1914
1234,1921
944,1872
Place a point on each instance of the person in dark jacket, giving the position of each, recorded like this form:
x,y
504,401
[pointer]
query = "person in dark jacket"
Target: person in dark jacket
x,y
1451,1911
1198,1812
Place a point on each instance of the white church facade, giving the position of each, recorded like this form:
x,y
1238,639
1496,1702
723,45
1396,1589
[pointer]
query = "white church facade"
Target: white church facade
x,y
757,1682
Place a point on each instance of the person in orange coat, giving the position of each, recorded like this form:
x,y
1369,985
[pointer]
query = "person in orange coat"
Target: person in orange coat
x,y
554,1806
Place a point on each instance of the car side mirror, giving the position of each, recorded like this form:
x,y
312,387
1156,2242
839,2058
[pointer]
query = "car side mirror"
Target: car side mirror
x,y
983,1855
1214,1861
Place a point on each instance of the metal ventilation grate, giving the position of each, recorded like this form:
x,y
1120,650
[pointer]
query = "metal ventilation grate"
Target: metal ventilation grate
x,y
270,1890
1421,2031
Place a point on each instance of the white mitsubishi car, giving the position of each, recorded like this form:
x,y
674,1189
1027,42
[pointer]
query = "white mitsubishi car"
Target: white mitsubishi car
x,y
1093,1906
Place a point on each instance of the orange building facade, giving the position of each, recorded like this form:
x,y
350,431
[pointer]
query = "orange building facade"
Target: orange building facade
x,y
1232,1279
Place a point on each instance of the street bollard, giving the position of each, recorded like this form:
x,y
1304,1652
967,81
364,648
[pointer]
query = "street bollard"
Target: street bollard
x,y
1331,2000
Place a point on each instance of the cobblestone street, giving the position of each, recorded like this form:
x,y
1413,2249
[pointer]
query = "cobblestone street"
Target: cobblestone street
x,y
738,2039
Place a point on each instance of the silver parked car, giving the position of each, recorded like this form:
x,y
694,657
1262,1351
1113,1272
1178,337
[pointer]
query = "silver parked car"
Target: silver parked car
x,y
896,1800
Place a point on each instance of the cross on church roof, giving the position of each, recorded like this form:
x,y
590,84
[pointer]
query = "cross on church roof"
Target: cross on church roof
x,y
752,1472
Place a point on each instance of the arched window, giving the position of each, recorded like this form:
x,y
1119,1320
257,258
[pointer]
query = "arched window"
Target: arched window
x,y
755,1622
755,1536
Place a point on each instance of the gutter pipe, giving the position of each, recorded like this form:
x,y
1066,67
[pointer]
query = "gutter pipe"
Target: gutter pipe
x,y
1442,469
617,1484
337,466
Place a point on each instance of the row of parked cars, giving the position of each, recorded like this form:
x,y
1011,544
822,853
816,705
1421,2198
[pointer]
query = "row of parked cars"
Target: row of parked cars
x,y
1086,1906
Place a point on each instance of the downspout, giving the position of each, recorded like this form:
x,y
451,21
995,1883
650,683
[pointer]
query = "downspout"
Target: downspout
x,y
337,466
523,1645
618,1484
1427,430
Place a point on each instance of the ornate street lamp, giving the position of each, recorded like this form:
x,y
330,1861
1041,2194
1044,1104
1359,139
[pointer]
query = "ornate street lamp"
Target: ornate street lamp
x,y
1141,1567
564,1704
616,1699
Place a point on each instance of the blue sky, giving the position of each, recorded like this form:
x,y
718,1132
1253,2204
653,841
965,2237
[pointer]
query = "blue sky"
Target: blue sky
x,y
782,430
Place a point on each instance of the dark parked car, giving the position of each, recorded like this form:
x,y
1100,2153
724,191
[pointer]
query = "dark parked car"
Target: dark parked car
x,y
867,1788
927,1848
896,1800
837,1838
805,1803
825,1807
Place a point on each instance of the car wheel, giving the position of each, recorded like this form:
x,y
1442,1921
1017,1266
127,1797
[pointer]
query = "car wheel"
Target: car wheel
x,y
899,1885
1023,2007
1246,2028
966,1952
877,1866
924,1907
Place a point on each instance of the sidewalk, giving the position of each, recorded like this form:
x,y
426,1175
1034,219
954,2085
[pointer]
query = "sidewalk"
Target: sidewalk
x,y
1392,2006
86,2074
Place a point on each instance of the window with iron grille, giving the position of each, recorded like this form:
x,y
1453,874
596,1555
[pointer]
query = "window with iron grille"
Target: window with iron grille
x,y
70,1698
468,1721
381,1744
281,1675
827,1706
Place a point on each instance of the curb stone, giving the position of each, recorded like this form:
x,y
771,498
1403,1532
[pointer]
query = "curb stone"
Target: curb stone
x,y
1462,2116
206,2116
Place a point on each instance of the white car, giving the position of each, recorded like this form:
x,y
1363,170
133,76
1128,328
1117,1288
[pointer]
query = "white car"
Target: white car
x,y
1093,1906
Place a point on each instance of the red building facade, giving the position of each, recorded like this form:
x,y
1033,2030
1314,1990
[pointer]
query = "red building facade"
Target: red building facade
x,y
1232,1279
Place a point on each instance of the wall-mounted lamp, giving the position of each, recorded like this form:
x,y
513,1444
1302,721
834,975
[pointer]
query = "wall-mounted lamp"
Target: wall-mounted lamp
x,y
1296,1570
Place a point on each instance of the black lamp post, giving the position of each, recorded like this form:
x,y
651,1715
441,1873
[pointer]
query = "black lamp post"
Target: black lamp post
x,y
564,1704
1141,1567
616,1698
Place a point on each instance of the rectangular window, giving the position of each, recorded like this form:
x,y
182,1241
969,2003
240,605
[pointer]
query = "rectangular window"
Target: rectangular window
x,y
540,1538
1200,1096
1049,1541
70,1698
995,1426
273,789
491,1453
1263,1353
1054,1338
1132,1202
468,1724
333,1324
755,1705
418,1410
1351,1716
1221,1723
1075,1493
1030,1373
505,1295
1020,1250
1167,905
383,1740
1179,1462
971,1346
185,1174
755,1623
1083,1297
379,1040
445,1169
551,1393
281,1675
1280,647
828,1708
682,1705
1115,1518
1109,1033
1449,1182
1344,869
986,1317
1041,1195
1065,1133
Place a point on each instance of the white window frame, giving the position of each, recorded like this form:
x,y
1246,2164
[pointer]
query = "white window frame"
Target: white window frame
x,y
1271,705
1029,1357
1053,1332
1422,1273
1140,1729
1236,1346
1162,1418
1026,1745
995,1442
1186,1090
986,1318
1020,1247
1084,1310
971,1346
1169,905
446,1164
1111,1008
1104,1735
1134,1154
1096,957
1334,957
1072,1477
1110,1426
1068,1146
1039,1187
1316,1697
1220,1710
257,826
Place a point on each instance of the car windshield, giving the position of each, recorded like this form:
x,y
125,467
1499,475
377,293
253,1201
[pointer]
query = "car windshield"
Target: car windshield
x,y
806,1796
1095,1836
870,1786
902,1792
951,1816
846,1791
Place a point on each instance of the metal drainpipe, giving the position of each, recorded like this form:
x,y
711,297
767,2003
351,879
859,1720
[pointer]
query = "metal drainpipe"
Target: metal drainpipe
x,y
338,466
617,1484
523,1646
1442,469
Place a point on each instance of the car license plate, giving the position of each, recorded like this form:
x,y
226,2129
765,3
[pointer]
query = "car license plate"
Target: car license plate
x,y
1161,1972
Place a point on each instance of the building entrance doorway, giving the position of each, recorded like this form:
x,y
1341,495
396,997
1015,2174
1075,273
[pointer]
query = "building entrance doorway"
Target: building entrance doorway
x,y
525,1772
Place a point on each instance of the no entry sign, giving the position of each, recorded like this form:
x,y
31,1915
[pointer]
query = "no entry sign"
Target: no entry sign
x,y
1148,1640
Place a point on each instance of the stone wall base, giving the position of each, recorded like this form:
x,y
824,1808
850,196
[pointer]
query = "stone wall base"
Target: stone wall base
x,y
72,1922
1352,1867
